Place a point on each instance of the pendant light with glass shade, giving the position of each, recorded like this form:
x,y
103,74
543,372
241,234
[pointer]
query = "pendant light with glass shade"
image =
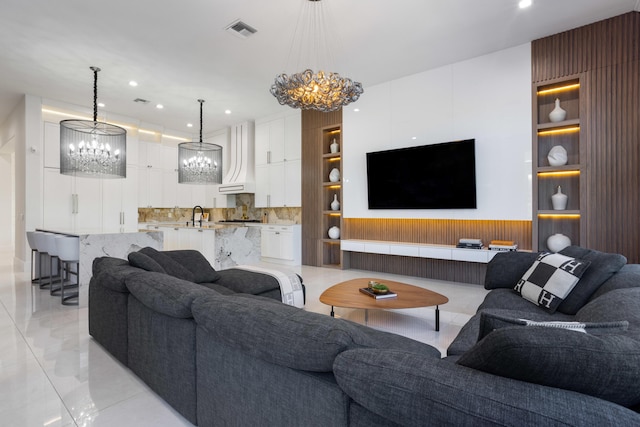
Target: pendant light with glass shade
x,y
199,162
323,90
93,149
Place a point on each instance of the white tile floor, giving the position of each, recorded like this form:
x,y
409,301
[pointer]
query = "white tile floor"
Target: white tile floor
x,y
52,373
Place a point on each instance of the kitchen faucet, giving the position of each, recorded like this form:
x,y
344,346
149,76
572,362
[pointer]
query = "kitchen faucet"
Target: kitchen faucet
x,y
193,215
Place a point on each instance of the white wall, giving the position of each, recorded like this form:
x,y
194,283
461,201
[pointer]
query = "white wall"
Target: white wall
x,y
487,98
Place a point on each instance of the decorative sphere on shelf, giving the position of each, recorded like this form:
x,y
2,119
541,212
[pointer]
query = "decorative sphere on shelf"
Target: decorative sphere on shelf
x,y
334,232
557,156
558,242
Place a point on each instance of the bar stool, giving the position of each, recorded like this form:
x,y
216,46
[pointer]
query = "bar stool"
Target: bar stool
x,y
68,249
31,239
55,282
42,246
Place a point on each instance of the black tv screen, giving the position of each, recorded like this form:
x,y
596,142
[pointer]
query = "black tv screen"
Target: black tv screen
x,y
438,176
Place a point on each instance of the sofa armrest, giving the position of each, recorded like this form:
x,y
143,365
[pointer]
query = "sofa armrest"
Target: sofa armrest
x,y
412,390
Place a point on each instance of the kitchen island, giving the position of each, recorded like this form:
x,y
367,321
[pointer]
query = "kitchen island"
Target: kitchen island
x,y
223,245
117,245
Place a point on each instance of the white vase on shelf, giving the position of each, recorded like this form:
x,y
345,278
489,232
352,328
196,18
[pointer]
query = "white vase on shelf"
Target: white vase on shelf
x,y
558,114
559,200
335,205
334,175
334,146
334,232
558,242
557,156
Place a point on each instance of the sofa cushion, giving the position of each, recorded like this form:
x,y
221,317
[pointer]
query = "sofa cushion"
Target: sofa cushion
x,y
248,282
627,277
111,273
489,322
603,266
145,262
196,263
550,279
616,305
604,366
506,268
166,294
289,336
172,267
468,335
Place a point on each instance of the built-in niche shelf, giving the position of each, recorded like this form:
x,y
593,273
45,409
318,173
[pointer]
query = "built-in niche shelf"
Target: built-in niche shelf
x,y
546,177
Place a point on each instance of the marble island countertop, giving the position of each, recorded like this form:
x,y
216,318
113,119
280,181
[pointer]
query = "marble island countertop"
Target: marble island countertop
x,y
211,225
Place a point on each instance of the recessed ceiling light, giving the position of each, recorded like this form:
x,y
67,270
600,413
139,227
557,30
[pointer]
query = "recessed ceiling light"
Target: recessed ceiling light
x,y
356,109
133,83
159,106
227,111
189,125
524,3
101,104
414,137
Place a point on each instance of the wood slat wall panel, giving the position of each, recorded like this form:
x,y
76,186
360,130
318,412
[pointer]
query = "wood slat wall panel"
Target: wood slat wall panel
x,y
608,53
437,231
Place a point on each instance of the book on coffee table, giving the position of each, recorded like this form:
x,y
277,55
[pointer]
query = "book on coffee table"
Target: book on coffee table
x,y
372,294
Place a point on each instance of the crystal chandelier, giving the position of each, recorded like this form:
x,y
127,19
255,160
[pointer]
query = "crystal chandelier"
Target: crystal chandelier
x,y
199,162
91,148
308,90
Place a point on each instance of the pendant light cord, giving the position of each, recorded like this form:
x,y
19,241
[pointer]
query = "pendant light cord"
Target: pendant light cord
x,y
201,101
95,93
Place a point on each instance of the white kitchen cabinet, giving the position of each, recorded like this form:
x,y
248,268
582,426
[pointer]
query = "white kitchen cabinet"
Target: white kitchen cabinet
x,y
281,244
150,191
71,203
279,185
213,198
119,207
278,160
51,146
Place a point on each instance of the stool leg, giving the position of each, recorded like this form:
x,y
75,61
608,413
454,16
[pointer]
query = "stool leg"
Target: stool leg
x,y
71,298
54,290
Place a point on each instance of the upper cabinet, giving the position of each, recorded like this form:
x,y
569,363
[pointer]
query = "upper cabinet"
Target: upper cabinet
x,y
278,161
559,167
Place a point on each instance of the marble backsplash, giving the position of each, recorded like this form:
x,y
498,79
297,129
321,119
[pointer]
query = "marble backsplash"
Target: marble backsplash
x,y
245,204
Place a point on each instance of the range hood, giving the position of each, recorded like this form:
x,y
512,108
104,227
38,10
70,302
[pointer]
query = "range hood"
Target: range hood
x,y
240,176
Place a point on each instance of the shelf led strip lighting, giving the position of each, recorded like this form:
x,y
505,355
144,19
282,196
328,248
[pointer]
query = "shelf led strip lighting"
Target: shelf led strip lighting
x,y
557,131
558,173
563,216
559,89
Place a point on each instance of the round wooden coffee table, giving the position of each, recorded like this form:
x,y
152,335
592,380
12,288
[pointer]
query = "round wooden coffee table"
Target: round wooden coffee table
x,y
347,294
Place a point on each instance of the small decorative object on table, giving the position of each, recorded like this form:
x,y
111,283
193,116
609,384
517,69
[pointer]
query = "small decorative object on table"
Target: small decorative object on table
x,y
378,290
559,200
334,175
557,156
558,114
503,246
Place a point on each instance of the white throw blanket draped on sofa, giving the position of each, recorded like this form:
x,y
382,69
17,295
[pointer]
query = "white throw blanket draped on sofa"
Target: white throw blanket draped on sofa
x,y
290,284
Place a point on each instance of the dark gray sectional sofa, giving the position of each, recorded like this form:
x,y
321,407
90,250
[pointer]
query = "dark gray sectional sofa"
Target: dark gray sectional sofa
x,y
226,357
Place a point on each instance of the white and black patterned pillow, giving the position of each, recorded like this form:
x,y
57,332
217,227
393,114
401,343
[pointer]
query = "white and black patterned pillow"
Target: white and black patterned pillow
x,y
550,279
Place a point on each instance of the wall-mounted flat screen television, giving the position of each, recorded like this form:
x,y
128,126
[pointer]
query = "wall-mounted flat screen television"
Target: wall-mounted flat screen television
x,y
437,176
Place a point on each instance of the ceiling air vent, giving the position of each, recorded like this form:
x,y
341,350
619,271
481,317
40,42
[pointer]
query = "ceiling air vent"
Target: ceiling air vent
x,y
141,101
240,29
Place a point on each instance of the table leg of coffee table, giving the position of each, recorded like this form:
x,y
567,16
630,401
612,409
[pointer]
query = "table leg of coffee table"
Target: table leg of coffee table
x,y
332,313
437,318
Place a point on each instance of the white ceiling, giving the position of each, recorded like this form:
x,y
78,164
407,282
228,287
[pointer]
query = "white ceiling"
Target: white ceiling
x,y
179,51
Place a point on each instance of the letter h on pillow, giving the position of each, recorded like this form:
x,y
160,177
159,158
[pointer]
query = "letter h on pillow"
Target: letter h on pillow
x,y
550,279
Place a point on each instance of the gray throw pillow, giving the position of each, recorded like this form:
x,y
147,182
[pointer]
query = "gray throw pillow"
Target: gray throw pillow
x,y
172,267
550,279
603,266
144,262
604,366
506,268
489,322
196,263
